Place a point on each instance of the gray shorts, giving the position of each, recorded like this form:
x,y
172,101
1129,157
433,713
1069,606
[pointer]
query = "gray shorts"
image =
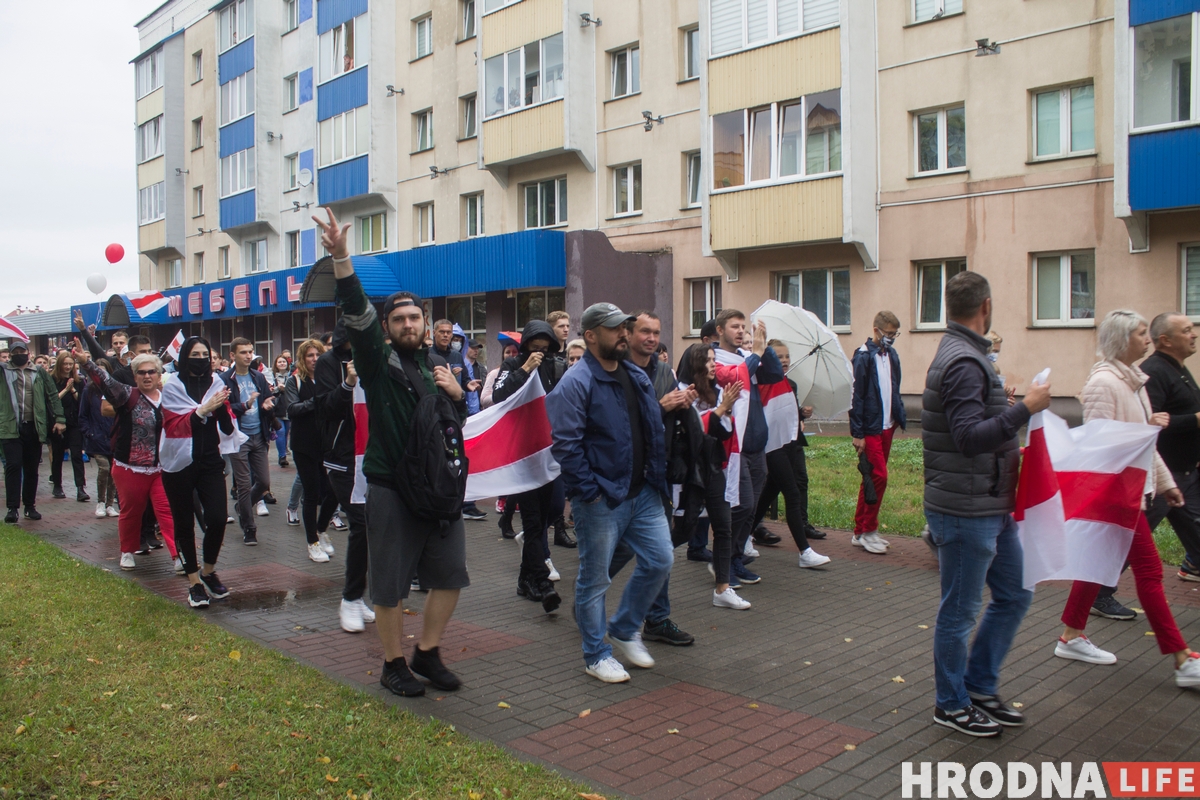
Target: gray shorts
x,y
400,545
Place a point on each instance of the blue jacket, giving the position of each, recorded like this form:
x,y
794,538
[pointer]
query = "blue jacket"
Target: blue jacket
x,y
589,422
866,408
767,369
96,428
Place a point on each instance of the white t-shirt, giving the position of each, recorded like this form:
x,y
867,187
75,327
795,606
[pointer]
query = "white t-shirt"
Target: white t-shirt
x,y
883,367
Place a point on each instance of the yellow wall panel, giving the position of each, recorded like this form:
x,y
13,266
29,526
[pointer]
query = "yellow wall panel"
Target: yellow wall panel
x,y
152,236
150,106
807,211
776,72
523,134
152,172
520,24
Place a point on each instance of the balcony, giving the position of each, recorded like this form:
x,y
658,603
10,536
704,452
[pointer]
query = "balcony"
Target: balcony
x,y
779,214
530,133
343,180
1164,169
781,71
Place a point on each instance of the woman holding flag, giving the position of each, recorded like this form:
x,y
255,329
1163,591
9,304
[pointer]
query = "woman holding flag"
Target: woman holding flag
x,y
1116,390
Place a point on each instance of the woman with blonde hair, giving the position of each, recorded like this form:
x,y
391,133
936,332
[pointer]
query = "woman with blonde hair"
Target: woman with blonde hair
x,y
69,386
302,404
1116,389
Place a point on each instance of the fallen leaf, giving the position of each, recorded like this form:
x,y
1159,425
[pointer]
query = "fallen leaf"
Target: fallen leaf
x,y
324,760
897,679
193,718
752,705
895,711
851,747
868,588
1149,633
234,767
95,783
330,778
672,730
396,758
1140,611
923,627
808,663
20,730
110,694
474,796
1018,705
222,785
887,583
370,672
587,796
165,706
236,655
69,729
586,712
503,704
409,636
848,639
94,661
463,650
410,612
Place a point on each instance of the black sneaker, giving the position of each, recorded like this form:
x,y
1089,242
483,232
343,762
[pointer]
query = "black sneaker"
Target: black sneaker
x,y
32,513
998,710
471,512
1111,607
763,536
529,589
155,543
269,498
283,462
666,631
703,554
969,720
428,664
197,597
216,589
12,516
397,679
507,532
550,599
812,533
143,548
250,538
1188,571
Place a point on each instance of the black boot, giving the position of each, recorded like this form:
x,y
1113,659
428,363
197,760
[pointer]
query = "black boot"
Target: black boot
x,y
529,589
765,537
561,537
428,664
550,599
58,493
82,496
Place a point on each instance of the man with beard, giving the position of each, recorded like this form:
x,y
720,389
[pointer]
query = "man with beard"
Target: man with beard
x,y
29,410
394,379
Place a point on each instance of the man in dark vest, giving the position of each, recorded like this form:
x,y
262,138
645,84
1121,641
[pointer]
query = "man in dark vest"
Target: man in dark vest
x,y
972,459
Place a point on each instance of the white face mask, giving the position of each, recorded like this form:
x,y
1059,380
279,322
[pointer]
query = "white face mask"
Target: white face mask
x,y
456,346
993,357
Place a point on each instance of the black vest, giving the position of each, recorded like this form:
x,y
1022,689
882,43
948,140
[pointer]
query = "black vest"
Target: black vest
x,y
985,485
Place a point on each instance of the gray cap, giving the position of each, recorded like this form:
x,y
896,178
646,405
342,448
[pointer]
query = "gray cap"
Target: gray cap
x,y
604,315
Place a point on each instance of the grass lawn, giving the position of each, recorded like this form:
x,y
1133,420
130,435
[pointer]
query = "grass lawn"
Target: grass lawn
x,y
107,690
833,481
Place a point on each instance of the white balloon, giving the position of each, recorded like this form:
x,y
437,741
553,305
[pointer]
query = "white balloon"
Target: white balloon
x,y
96,283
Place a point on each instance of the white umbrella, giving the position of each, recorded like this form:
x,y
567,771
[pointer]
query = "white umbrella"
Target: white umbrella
x,y
824,376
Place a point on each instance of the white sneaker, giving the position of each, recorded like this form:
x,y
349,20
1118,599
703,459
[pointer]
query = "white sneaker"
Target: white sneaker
x,y
127,561
811,558
520,538
326,544
113,511
856,540
749,550
338,523
1188,673
101,511
1081,649
872,543
729,599
368,613
554,576
608,670
261,509
229,519
293,517
179,569
317,553
634,650
351,616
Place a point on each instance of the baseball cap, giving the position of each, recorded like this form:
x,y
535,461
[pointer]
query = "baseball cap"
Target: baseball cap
x,y
709,330
475,343
401,298
604,315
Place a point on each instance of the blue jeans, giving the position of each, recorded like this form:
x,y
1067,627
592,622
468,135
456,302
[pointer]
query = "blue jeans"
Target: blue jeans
x,y
661,608
281,439
641,524
972,552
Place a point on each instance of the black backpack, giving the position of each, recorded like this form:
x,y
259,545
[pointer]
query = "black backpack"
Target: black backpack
x,y
432,477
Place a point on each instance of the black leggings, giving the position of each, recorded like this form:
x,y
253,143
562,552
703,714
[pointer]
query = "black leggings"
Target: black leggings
x,y
208,483
712,497
316,491
71,439
535,508
787,472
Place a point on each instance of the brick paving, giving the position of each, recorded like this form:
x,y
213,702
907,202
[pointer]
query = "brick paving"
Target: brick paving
x,y
793,698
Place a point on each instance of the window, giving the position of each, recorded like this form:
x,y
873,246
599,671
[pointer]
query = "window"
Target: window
x,y
344,136
424,220
787,140
152,204
174,269
704,297
290,96
236,23
1064,121
197,66
372,233
424,37
223,262
344,47
148,73
694,162
626,71
923,10
237,98
469,130
291,16
735,24
256,256
627,190
303,324
546,203
941,138
1191,281
537,304
291,167
237,172
197,133
1064,289
492,5
198,268
470,312
423,135
468,19
1164,71
824,292
524,76
292,248
227,336
931,291
197,201
474,214
150,140
691,53
263,341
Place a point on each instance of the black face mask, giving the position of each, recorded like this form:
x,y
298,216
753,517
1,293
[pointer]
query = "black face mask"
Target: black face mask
x,y
199,367
19,360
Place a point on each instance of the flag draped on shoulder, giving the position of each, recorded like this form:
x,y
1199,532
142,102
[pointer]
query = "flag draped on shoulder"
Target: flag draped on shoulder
x,y
1079,497
362,433
508,445
175,443
782,413
731,367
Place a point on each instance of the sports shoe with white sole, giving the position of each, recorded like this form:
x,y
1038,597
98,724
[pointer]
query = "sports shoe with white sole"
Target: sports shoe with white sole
x,y
554,576
872,543
179,568
326,544
969,720
317,553
811,558
113,511
293,517
350,615
607,669
261,509
729,599
368,613
101,510
338,523
127,561
634,650
520,538
856,540
1081,649
1188,673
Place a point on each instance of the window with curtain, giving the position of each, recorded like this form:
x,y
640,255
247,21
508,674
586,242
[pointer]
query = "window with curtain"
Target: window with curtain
x,y
824,292
1064,289
235,23
704,302
923,10
786,140
931,291
1163,71
344,136
150,142
1191,281
237,98
148,73
736,24
1064,121
343,48
627,189
941,138
524,76
546,203
372,233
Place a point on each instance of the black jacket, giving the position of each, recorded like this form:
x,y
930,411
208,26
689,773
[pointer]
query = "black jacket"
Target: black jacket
x,y
235,397
1173,389
336,412
512,376
303,402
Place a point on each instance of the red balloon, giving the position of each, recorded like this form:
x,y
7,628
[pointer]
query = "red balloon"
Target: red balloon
x,y
114,253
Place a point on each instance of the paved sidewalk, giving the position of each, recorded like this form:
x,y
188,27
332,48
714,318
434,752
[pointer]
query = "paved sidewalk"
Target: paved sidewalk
x,y
796,697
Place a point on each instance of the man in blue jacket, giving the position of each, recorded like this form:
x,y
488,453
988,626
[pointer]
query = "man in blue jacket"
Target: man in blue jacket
x,y
608,437
876,411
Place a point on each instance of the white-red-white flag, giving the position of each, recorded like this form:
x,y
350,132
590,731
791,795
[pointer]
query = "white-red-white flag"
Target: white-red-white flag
x,y
1079,497
148,302
175,443
731,367
508,445
176,343
782,413
11,331
362,433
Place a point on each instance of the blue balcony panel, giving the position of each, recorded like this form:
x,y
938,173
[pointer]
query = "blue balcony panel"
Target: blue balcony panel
x,y
306,160
304,11
342,94
237,136
236,61
343,181
1164,169
1143,11
238,210
331,13
308,246
305,89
